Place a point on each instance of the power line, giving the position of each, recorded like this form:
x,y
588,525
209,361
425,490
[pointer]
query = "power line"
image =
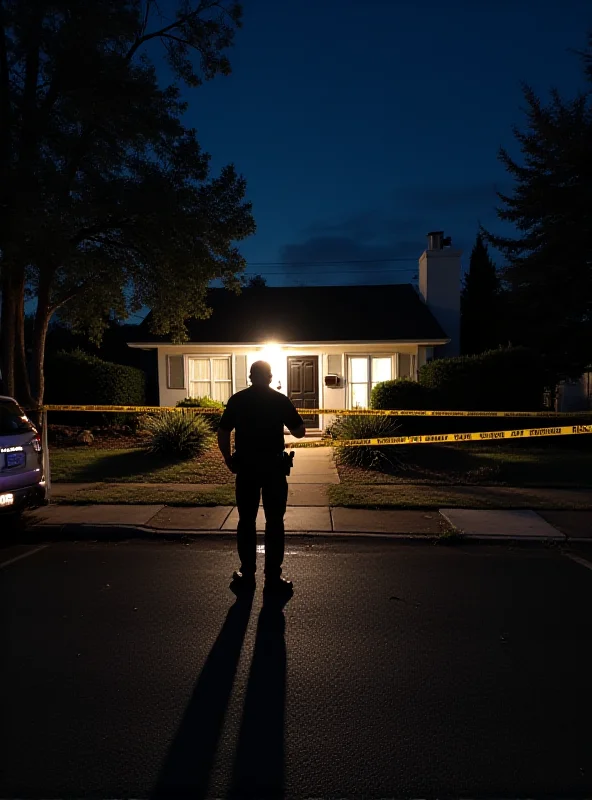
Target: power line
x,y
324,262
291,273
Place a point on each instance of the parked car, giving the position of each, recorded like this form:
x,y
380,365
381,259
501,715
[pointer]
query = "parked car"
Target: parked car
x,y
22,481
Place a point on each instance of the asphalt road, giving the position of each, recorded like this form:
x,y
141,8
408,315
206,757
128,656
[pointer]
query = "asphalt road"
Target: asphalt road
x,y
397,670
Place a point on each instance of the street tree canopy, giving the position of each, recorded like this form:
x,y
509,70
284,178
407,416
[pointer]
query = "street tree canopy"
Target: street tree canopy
x,y
106,199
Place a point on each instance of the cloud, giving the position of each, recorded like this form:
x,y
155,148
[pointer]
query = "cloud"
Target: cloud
x,y
399,232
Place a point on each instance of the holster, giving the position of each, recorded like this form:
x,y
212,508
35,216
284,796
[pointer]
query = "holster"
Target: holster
x,y
288,460
283,461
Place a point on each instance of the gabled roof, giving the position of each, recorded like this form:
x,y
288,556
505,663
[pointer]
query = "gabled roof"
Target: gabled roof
x,y
301,314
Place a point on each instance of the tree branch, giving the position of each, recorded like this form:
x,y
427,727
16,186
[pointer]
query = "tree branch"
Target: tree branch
x,y
59,302
173,26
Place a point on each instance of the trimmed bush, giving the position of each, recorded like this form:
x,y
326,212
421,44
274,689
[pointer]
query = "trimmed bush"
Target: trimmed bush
x,y
78,378
508,379
380,457
204,402
403,393
178,434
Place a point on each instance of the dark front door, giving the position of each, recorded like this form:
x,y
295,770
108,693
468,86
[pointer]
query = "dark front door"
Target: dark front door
x,y
303,385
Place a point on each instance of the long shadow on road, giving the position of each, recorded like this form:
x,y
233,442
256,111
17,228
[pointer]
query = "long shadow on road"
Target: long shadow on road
x,y
259,767
188,765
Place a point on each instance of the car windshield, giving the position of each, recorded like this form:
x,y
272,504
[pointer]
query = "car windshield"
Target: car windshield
x,y
12,419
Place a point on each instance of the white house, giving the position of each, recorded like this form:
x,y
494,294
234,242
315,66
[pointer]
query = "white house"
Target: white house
x,y
327,345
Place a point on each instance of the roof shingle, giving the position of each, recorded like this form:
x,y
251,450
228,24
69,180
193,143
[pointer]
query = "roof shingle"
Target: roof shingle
x,y
392,312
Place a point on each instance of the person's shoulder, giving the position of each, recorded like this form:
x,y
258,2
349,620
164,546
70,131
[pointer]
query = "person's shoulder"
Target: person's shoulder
x,y
239,397
284,400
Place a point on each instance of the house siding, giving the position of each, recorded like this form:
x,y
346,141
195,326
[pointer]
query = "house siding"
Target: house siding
x,y
329,397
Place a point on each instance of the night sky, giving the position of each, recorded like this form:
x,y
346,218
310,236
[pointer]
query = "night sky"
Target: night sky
x,y
360,125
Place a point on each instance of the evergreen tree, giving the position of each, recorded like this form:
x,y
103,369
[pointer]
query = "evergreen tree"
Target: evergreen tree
x,y
549,272
480,306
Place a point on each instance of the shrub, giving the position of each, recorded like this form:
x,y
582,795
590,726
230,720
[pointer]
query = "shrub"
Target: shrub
x,y
78,378
379,457
508,379
204,402
178,434
403,393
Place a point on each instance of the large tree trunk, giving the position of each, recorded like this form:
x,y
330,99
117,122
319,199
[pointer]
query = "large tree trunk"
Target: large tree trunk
x,y
7,338
42,317
21,367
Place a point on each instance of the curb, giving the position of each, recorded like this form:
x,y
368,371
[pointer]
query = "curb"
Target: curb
x,y
82,531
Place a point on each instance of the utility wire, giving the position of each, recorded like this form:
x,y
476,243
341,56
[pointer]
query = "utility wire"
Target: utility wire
x,y
323,262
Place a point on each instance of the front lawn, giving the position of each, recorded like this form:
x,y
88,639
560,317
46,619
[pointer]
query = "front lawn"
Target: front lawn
x,y
476,464
148,495
430,496
90,465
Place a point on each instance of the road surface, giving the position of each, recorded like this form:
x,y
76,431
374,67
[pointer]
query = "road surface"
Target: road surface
x,y
397,670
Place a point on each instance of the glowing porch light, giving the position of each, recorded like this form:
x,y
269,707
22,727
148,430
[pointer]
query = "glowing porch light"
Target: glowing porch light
x,y
273,353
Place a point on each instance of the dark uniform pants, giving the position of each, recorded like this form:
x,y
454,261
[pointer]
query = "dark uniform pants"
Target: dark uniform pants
x,y
251,484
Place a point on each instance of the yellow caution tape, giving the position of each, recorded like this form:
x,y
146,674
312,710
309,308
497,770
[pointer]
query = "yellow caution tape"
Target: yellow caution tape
x,y
313,412
440,438
404,412
130,409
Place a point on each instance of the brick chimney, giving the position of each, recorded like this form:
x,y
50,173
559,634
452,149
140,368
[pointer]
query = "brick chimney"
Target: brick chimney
x,y
439,287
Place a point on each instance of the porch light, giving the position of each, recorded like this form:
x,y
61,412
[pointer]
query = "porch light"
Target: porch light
x,y
273,353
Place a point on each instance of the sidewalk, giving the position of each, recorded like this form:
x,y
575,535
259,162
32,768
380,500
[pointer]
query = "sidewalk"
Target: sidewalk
x,y
522,525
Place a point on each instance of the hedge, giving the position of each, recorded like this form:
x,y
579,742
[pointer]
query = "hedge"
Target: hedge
x,y
403,393
508,379
78,378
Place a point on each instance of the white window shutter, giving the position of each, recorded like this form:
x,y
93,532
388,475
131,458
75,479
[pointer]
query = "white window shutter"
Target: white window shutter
x,y
240,372
334,364
405,366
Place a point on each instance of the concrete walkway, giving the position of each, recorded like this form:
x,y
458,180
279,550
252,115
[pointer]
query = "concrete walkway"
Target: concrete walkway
x,y
322,520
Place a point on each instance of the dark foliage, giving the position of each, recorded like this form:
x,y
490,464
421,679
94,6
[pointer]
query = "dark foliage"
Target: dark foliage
x,y
204,402
549,261
403,393
507,379
78,378
481,310
374,456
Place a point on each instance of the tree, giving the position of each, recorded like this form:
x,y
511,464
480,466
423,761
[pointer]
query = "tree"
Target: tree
x,y
549,270
480,306
256,282
106,201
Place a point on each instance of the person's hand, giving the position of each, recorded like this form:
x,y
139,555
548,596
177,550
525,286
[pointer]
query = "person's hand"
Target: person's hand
x,y
230,464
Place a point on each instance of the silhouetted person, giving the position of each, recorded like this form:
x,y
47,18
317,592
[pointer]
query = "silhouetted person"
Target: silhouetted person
x,y
258,416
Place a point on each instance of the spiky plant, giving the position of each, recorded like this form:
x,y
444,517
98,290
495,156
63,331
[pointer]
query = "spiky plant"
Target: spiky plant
x,y
178,434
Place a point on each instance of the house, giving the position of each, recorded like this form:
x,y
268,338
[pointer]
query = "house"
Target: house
x,y
327,345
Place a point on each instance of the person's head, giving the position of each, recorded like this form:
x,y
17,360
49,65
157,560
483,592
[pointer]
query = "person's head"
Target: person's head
x,y
260,374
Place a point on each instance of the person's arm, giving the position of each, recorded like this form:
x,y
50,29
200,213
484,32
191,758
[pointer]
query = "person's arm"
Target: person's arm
x,y
299,432
224,446
227,423
293,421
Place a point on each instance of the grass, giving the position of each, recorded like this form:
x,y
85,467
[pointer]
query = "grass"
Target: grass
x,y
429,496
89,465
148,495
477,464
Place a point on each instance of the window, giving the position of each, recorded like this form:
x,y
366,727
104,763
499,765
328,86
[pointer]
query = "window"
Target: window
x,y
210,377
13,419
364,373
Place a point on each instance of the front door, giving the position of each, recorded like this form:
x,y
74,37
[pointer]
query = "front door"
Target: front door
x,y
303,385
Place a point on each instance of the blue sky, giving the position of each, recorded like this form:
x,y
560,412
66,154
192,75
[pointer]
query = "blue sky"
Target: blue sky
x,y
360,125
